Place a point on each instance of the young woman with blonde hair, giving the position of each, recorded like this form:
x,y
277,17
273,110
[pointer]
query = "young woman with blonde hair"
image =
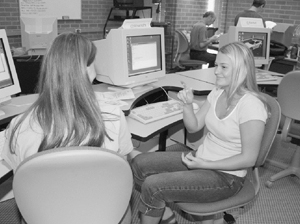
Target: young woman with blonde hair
x,y
234,115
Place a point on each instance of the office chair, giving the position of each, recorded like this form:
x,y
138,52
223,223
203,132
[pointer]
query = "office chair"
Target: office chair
x,y
182,56
206,211
73,185
288,97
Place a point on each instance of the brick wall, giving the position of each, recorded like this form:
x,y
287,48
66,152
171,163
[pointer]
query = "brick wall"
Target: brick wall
x,y
94,14
181,14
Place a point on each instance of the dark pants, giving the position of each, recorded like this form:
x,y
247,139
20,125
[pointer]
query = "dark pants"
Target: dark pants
x,y
203,56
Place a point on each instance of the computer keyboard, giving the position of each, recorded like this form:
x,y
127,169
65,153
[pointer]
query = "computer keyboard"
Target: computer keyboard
x,y
156,111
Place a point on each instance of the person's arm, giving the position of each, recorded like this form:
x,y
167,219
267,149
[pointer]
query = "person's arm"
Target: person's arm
x,y
192,122
209,41
251,137
125,142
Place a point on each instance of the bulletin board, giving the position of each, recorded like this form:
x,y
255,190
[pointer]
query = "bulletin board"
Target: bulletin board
x,y
62,9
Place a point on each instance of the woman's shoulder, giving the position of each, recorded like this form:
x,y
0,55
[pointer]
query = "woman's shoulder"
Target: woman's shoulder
x,y
251,104
252,97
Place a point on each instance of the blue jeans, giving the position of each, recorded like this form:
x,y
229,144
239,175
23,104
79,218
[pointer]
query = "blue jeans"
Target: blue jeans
x,y
162,177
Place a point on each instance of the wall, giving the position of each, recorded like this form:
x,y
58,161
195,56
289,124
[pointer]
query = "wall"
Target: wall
x,y
94,13
181,14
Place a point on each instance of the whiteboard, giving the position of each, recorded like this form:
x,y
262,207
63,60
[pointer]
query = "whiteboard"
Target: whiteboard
x,y
62,9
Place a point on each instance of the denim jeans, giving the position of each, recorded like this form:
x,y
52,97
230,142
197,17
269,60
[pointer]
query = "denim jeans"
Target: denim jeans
x,y
162,178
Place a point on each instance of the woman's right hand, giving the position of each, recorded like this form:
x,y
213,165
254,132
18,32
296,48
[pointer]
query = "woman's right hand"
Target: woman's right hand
x,y
186,96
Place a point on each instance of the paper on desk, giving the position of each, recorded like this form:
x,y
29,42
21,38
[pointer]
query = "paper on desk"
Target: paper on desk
x,y
125,94
115,98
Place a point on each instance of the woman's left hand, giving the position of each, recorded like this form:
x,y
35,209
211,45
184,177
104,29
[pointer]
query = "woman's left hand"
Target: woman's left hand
x,y
192,162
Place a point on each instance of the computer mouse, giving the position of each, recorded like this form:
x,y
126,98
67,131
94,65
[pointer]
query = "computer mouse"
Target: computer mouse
x,y
195,106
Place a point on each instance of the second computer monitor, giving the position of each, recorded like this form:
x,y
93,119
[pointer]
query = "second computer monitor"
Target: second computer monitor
x,y
131,57
257,39
9,83
37,33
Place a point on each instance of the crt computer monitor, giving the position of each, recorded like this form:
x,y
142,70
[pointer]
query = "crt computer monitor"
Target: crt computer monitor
x,y
131,57
9,83
257,39
37,33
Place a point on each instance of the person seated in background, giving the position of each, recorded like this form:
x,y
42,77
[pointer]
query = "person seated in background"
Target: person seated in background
x,y
253,12
66,112
234,115
200,42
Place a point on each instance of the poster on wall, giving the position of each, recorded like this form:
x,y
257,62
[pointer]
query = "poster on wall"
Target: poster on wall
x,y
62,9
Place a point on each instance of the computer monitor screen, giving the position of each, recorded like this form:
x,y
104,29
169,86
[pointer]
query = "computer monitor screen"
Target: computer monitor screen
x,y
37,33
131,57
9,83
257,39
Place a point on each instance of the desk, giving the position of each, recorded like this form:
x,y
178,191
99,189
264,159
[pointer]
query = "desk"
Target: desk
x,y
171,82
208,76
17,106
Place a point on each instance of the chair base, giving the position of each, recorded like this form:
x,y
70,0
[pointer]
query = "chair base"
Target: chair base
x,y
292,169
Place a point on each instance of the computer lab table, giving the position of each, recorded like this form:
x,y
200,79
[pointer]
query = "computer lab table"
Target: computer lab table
x,y
170,83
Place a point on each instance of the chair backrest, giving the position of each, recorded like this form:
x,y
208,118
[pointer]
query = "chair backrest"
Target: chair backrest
x,y
183,42
73,185
271,129
288,95
183,49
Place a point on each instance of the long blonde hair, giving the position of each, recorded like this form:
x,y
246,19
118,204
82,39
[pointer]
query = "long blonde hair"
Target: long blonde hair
x,y
66,108
243,76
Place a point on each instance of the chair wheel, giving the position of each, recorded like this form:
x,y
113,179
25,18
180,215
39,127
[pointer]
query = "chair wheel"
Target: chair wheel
x,y
269,184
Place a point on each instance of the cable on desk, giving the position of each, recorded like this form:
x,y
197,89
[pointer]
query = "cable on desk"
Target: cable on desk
x,y
169,97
